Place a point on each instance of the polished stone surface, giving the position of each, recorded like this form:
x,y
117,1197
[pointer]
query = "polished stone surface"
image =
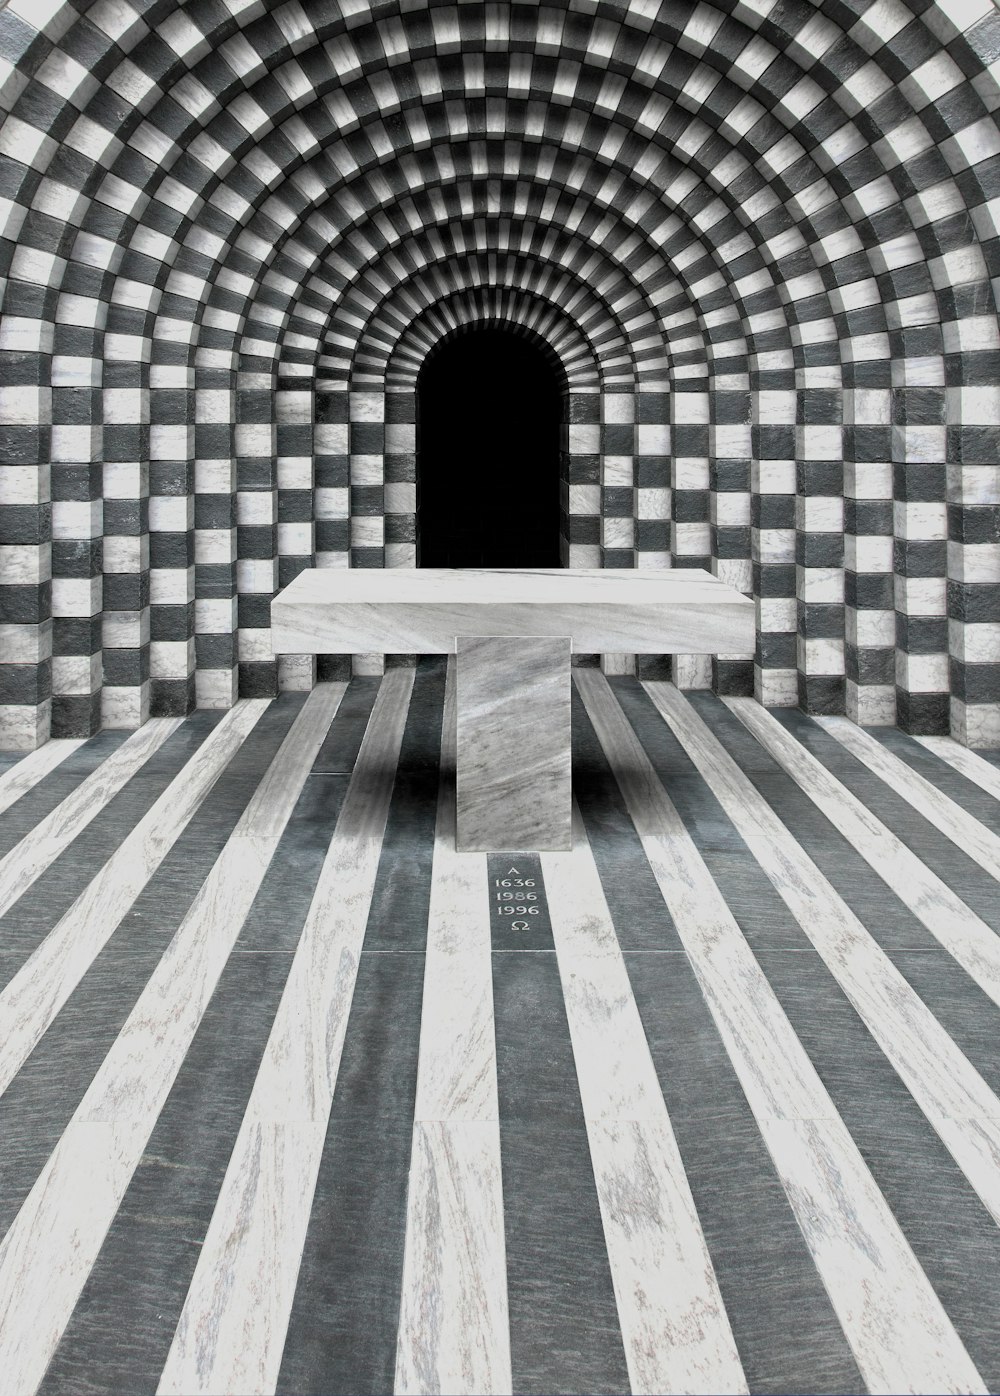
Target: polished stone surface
x,y
567,1158
514,632
513,747
422,610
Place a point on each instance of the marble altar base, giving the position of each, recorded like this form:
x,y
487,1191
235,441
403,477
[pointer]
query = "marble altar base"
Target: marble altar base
x,y
513,759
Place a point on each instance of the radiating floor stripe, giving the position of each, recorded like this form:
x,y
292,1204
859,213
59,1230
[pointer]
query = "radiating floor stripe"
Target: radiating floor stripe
x,y
18,779
124,1322
950,920
38,849
674,1325
947,1087
898,1330
342,1330
232,1328
44,797
980,843
40,1101
453,1318
564,1327
763,1266
954,867
941,1216
34,995
966,762
48,1252
50,897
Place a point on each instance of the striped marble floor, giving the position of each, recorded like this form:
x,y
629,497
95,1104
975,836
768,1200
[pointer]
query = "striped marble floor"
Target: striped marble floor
x,y
295,1098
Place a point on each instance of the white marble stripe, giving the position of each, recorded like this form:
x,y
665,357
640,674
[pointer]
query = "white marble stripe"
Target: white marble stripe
x,y
953,1096
967,763
56,1237
40,847
897,1328
35,994
25,774
963,934
453,1326
949,818
233,1325
674,1326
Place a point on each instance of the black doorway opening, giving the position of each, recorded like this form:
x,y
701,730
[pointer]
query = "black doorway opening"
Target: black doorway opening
x,y
488,414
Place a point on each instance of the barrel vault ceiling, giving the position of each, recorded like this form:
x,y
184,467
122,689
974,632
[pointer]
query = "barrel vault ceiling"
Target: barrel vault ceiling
x,y
760,239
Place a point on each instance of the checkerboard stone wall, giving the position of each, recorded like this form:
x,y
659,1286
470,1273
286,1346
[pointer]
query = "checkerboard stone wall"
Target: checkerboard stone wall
x,y
759,241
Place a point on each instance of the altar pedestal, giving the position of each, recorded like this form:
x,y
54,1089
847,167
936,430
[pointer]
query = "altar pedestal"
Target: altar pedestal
x,y
508,631
513,742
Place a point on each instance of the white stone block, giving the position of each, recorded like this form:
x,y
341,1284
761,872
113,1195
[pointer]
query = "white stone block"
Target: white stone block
x,y
296,673
76,596
976,724
126,708
76,673
871,705
24,727
922,673
216,688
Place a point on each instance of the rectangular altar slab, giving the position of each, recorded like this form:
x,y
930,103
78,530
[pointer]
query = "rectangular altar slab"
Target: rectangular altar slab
x,y
423,610
513,760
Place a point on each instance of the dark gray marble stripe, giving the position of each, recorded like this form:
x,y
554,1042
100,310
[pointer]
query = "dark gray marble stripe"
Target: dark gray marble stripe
x,y
138,1285
52,789
764,1269
42,1097
946,1224
398,916
340,750
519,914
763,917
891,924
972,798
342,1331
952,1234
629,882
962,874
564,1332
970,1018
31,918
956,1000
10,758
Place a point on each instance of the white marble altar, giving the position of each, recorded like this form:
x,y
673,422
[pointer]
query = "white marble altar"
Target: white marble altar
x,y
421,611
513,633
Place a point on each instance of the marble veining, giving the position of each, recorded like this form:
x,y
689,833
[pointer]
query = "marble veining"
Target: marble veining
x,y
26,862
55,1239
423,610
962,933
513,759
953,1096
34,995
966,762
232,1328
949,818
674,1325
453,1330
899,1332
25,774
542,1166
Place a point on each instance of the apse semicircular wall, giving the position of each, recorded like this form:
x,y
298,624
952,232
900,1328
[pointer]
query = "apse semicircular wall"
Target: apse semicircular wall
x,y
760,237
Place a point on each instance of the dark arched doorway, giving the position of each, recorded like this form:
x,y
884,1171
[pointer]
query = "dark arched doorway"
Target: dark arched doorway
x,y
488,414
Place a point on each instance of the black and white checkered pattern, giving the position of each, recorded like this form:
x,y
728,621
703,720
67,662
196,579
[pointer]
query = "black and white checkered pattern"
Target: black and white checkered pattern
x,y
759,240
